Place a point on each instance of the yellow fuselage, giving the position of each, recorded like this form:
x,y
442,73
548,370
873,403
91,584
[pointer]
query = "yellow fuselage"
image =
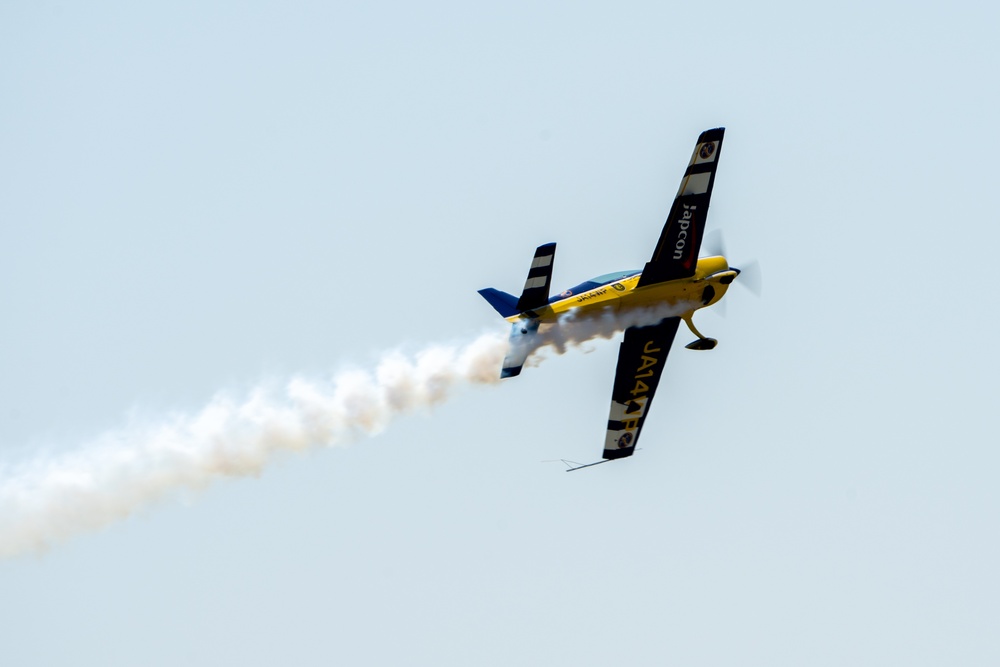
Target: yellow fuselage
x,y
623,294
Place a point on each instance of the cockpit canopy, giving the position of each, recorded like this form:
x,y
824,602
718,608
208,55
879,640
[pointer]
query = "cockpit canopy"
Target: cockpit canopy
x,y
593,283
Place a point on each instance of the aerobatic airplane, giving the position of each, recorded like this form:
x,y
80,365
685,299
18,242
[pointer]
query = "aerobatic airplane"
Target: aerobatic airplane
x,y
675,276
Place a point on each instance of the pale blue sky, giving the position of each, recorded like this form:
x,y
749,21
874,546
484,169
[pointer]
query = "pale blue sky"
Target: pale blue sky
x,y
195,198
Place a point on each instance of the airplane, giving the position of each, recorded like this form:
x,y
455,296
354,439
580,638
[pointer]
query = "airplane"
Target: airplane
x,y
674,277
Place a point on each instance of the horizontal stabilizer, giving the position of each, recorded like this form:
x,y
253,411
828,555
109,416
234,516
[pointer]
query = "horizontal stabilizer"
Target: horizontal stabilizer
x,y
536,286
519,347
503,303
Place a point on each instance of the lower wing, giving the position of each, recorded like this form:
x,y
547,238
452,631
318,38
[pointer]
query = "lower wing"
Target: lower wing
x,y
641,358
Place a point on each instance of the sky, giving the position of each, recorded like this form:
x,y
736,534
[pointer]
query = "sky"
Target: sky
x,y
200,199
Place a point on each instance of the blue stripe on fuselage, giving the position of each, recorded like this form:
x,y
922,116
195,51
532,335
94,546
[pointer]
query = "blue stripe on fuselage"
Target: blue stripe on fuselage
x,y
594,283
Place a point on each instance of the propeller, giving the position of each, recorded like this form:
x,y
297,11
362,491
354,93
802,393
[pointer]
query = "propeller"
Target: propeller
x,y
750,274
713,244
750,277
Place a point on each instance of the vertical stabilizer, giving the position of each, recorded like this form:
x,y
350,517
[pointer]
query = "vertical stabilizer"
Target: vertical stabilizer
x,y
534,296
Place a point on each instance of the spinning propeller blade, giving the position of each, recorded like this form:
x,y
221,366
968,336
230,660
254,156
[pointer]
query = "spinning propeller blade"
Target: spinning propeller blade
x,y
750,274
713,244
750,277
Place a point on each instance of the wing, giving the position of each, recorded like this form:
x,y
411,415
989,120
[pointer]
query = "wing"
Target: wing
x,y
676,254
640,364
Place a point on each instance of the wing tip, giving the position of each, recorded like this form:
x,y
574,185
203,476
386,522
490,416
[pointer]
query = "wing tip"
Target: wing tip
x,y
611,454
714,134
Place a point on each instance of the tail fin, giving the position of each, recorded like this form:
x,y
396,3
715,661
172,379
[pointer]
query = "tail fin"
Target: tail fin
x,y
503,303
535,295
536,286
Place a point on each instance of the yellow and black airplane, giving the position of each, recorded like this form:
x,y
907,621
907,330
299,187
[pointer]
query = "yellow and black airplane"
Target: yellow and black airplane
x,y
674,277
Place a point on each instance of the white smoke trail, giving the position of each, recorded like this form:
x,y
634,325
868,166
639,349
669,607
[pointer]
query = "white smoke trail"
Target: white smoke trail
x,y
52,499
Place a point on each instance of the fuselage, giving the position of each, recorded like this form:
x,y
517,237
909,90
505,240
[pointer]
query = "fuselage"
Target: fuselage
x,y
709,284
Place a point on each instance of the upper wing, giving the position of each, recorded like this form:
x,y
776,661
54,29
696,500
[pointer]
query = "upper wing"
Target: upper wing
x,y
676,254
640,364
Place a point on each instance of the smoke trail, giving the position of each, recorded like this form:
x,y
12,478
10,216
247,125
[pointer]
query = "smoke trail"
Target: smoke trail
x,y
52,499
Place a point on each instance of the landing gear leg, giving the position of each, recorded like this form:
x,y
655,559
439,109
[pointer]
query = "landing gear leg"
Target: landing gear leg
x,y
702,343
